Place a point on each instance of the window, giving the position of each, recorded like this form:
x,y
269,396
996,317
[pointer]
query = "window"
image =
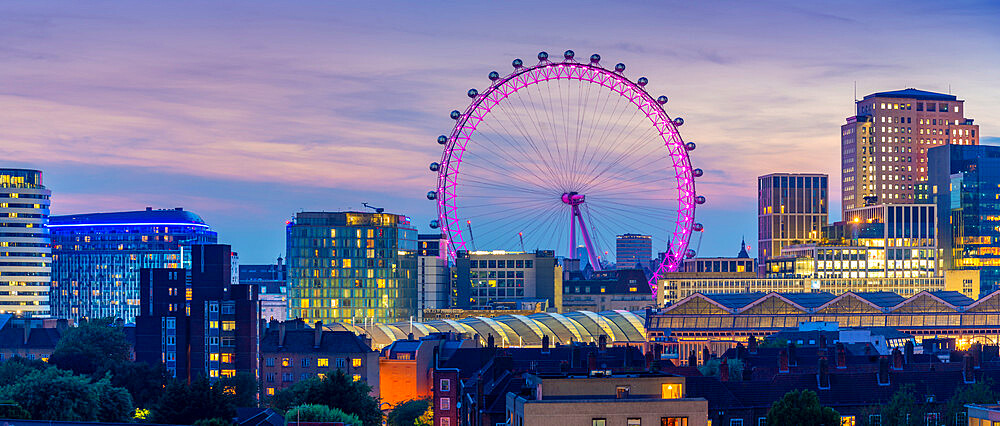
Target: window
x,y
762,421
269,362
674,421
633,422
445,421
444,404
445,385
286,362
270,391
270,377
356,362
671,390
621,392
286,377
599,422
356,377
340,363
735,422
847,421
323,362
305,362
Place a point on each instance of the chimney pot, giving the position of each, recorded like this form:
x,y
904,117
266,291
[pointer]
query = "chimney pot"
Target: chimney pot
x,y
724,369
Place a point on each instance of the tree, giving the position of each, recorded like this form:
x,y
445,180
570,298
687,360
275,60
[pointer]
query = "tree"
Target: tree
x,y
426,419
976,393
406,413
334,390
54,394
114,403
319,413
183,404
15,369
711,369
92,347
144,382
241,390
801,407
902,408
11,410
214,422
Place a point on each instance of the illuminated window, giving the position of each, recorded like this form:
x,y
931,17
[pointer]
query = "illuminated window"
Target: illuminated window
x,y
213,373
228,373
286,362
323,362
213,357
270,391
356,377
671,390
228,325
356,362
599,422
228,358
213,324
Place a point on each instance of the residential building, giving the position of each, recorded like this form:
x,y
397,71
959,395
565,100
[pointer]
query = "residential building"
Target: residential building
x,y
31,338
628,399
97,257
406,366
884,144
195,321
965,185
483,278
617,289
791,209
291,351
272,280
25,254
351,266
433,276
632,250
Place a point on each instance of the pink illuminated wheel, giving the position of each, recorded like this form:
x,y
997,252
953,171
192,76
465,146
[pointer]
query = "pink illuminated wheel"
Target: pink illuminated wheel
x,y
566,155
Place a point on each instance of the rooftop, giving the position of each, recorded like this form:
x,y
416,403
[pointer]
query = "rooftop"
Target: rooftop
x,y
177,216
911,93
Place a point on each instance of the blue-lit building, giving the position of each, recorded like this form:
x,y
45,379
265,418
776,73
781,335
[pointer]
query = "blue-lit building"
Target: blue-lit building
x,y
965,184
25,256
97,257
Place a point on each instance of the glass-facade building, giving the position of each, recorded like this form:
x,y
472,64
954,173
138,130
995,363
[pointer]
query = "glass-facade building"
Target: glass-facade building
x,y
25,256
791,209
351,267
632,250
965,184
97,257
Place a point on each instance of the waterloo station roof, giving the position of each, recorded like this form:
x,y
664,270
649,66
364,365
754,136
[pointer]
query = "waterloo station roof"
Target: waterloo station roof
x,y
518,330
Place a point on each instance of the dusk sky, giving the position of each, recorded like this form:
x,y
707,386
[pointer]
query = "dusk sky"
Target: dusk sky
x,y
247,112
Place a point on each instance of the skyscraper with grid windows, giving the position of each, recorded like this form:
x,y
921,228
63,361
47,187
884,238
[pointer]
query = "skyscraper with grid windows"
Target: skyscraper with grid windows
x,y
791,209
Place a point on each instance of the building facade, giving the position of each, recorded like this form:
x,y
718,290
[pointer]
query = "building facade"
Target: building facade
x,y
618,289
632,250
272,280
433,276
351,266
195,321
482,279
965,185
25,253
97,257
791,209
678,288
884,144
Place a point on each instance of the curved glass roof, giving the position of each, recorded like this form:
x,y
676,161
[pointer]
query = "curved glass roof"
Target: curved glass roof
x,y
519,330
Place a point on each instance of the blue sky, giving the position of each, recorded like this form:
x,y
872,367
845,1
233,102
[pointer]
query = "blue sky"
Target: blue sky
x,y
246,112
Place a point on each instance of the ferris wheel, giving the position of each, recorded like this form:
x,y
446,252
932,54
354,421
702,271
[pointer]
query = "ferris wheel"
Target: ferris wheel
x,y
565,149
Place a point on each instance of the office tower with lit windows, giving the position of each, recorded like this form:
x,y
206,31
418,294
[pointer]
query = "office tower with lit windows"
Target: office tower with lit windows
x,y
195,321
433,276
25,256
884,144
97,257
791,209
493,279
351,267
632,250
965,184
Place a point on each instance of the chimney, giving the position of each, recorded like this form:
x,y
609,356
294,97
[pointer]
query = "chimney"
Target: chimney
x,y
724,370
410,336
602,342
545,344
897,359
792,360
822,341
841,356
908,351
489,340
752,344
968,372
741,351
649,360
977,355
591,361
318,334
27,332
693,358
705,356
281,335
575,361
783,361
883,371
823,375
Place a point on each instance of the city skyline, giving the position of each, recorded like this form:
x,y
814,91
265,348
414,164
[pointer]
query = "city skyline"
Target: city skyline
x,y
225,111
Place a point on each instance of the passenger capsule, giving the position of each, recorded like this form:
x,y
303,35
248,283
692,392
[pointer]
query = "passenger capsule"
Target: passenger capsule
x,y
678,122
643,81
455,114
698,227
661,100
435,167
690,146
473,93
442,140
595,58
569,54
690,254
494,76
432,195
517,63
700,199
543,56
435,224
697,172
619,67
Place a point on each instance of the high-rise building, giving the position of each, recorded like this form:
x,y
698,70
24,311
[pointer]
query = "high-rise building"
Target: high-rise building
x,y
195,321
25,256
97,257
791,209
965,184
351,266
433,278
272,280
483,279
884,144
632,250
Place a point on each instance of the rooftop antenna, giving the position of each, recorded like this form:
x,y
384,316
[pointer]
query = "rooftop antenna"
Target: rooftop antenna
x,y
855,90
377,209
471,238
949,88
521,236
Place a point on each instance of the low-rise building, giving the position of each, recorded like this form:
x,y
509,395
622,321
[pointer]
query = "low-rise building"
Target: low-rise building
x,y
31,338
405,367
291,351
614,289
482,278
272,280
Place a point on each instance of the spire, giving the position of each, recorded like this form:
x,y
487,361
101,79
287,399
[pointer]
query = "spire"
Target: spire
x,y
743,249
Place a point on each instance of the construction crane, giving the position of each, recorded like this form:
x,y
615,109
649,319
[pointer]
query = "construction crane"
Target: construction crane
x,y
377,209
